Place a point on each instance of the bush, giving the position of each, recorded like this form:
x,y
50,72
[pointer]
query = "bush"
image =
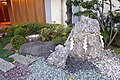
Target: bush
x,y
31,28
17,41
50,31
56,32
4,41
20,31
10,31
57,40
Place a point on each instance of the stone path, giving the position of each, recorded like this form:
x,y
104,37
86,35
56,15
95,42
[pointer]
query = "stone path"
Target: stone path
x,y
22,59
5,66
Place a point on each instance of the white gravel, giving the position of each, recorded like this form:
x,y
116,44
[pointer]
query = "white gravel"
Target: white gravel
x,y
41,71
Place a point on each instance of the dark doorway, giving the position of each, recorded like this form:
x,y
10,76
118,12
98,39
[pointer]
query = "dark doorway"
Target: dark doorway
x,y
4,15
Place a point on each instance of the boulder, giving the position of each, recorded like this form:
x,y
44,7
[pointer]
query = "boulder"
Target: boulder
x,y
38,48
84,38
86,42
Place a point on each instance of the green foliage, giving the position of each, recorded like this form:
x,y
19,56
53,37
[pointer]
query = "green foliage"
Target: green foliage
x,y
105,35
51,31
4,41
57,40
10,31
20,31
48,32
70,78
4,54
89,4
116,51
45,34
85,13
29,29
17,41
76,3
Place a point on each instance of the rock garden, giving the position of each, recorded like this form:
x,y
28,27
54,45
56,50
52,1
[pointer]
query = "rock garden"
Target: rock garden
x,y
34,51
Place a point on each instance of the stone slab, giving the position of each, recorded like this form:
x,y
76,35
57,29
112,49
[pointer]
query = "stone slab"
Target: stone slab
x,y
38,49
22,59
5,65
2,77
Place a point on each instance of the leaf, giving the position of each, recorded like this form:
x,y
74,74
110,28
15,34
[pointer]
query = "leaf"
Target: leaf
x,y
70,78
76,3
85,13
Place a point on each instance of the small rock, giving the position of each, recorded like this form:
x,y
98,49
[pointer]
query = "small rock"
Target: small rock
x,y
8,46
58,57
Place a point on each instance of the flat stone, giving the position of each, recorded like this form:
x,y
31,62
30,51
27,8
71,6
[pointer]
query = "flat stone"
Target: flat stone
x,y
2,77
38,48
22,59
5,65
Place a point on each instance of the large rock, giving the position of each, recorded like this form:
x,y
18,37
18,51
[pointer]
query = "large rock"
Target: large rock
x,y
84,38
58,57
37,48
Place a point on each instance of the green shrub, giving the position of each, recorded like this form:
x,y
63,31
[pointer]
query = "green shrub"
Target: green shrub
x,y
56,40
4,41
56,32
31,28
45,34
20,31
17,41
116,51
10,31
59,40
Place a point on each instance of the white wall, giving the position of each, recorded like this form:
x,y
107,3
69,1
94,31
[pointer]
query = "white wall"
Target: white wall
x,y
48,11
56,11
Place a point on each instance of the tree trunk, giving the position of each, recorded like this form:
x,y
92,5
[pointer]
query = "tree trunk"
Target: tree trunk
x,y
69,13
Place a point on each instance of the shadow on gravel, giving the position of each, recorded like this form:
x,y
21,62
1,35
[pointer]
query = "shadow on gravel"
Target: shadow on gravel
x,y
73,65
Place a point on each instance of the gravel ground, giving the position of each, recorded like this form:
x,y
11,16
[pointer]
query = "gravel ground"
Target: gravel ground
x,y
20,72
41,71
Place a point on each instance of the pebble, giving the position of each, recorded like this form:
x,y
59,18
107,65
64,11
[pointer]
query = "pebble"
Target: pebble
x,y
41,71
